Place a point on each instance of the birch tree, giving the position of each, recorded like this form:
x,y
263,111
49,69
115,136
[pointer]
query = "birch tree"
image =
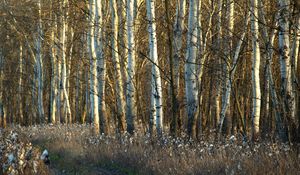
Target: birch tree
x,y
232,69
177,42
269,82
225,113
131,95
93,67
53,70
101,65
190,68
39,66
156,116
256,94
117,72
66,113
218,46
285,66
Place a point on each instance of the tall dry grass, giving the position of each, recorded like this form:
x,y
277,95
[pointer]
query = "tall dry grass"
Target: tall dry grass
x,y
75,150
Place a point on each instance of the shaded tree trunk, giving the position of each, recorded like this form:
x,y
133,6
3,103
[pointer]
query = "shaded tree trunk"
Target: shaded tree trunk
x,y
117,72
131,94
156,86
190,68
285,68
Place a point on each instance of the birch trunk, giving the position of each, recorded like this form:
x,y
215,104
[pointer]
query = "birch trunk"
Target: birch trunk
x,y
190,67
118,76
93,68
66,112
177,44
20,85
156,86
256,93
295,48
225,112
68,75
218,47
123,43
101,66
131,108
285,67
232,70
53,72
269,82
294,67
39,67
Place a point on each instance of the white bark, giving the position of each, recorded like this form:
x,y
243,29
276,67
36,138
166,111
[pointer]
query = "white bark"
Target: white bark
x,y
256,93
269,77
118,75
190,65
63,85
296,41
226,66
156,86
131,108
295,53
232,70
53,71
93,67
285,67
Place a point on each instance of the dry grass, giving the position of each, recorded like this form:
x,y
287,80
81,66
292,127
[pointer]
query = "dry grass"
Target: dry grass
x,y
74,150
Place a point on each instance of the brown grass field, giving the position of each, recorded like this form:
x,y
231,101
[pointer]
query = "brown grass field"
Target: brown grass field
x,y
74,149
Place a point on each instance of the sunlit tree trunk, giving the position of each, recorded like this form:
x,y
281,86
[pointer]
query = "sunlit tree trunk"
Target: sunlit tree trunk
x,y
118,76
294,67
93,67
156,86
131,95
68,74
285,67
190,67
53,72
295,46
256,93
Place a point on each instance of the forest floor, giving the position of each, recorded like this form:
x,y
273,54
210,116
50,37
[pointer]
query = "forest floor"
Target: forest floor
x,y
73,149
